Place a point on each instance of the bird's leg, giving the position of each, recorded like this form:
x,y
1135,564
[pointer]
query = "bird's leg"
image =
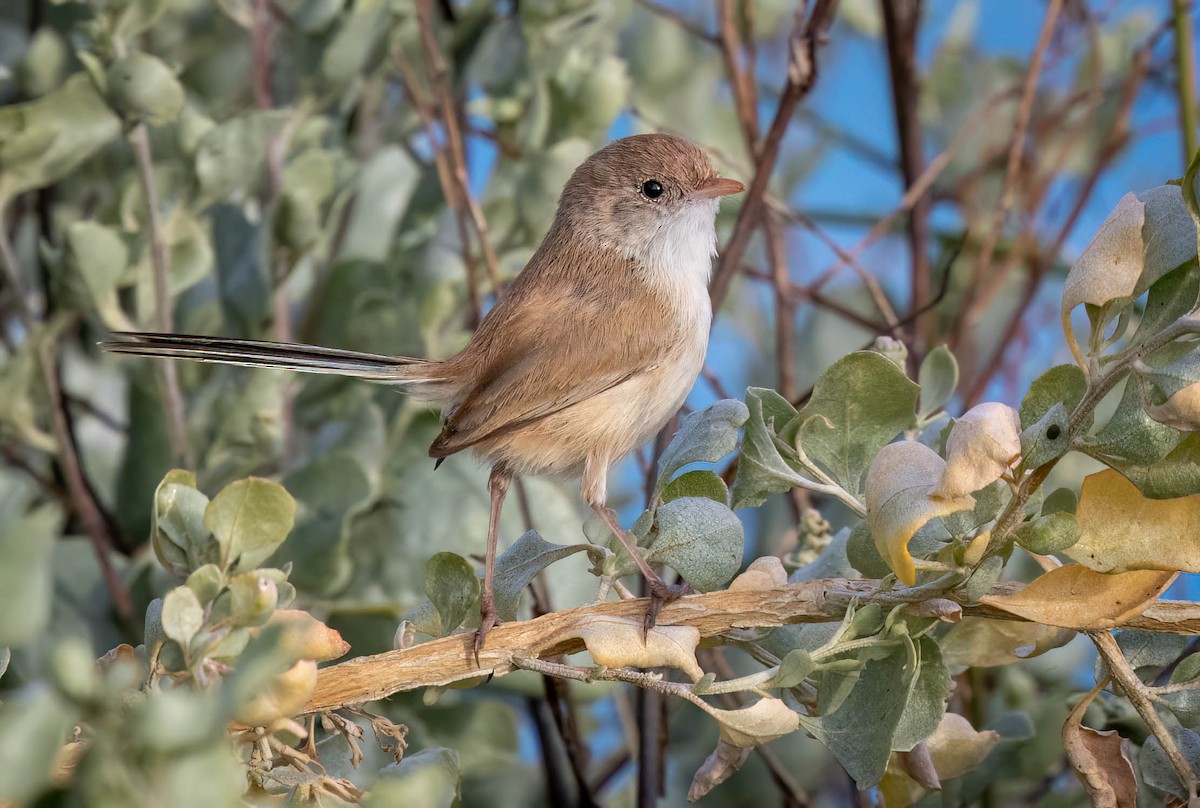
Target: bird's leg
x,y
661,593
498,483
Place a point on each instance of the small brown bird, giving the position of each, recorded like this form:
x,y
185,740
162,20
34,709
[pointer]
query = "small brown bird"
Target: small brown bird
x,y
587,354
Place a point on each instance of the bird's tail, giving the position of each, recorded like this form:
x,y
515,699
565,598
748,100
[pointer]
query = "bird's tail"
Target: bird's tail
x,y
283,355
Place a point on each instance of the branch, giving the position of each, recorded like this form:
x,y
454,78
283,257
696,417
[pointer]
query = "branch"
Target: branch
x,y
1185,72
510,645
160,259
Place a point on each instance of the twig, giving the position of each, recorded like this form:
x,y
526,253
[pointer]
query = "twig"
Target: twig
x,y
803,43
1185,75
901,18
1139,696
82,497
449,659
160,259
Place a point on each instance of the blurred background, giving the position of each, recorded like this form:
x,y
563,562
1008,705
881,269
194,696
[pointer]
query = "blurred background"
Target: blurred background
x,y
351,174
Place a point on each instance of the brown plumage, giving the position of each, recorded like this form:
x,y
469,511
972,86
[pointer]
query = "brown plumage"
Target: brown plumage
x,y
591,349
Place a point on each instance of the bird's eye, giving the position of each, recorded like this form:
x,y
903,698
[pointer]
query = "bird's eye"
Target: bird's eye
x,y
652,189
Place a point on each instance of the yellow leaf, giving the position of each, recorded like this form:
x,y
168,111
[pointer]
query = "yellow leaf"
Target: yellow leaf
x,y
978,642
616,642
1120,529
1077,597
764,573
1181,411
954,749
1099,760
898,501
982,445
284,697
761,722
303,636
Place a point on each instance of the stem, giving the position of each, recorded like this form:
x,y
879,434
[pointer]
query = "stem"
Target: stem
x,y
1185,69
1139,696
160,259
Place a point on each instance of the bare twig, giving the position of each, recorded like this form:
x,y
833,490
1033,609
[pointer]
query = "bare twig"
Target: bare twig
x,y
1185,75
803,44
160,260
1139,696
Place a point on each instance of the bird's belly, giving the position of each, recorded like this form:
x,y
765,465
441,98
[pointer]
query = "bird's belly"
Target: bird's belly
x,y
605,427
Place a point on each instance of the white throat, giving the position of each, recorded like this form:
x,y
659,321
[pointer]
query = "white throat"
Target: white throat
x,y
677,258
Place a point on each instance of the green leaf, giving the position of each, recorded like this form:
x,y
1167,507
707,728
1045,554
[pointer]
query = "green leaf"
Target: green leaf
x,y
762,468
701,483
134,17
250,518
252,599
1063,384
1046,439
1172,296
927,697
452,587
206,582
858,713
99,255
857,407
1049,534
703,437
179,536
334,488
44,140
229,157
26,545
1157,771
700,539
141,86
383,191
1133,436
794,669
430,779
518,565
863,553
32,731
182,615
938,379
1176,475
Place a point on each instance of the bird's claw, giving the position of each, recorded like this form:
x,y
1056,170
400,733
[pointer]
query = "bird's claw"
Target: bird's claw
x,y
661,594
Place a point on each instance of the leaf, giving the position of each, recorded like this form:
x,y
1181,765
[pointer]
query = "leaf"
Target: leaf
x,y
763,574
857,406
520,563
303,636
333,489
1062,384
43,141
760,723
32,730
898,501
182,615
982,447
26,575
1076,597
978,642
100,257
615,642
429,779
701,483
954,749
1171,296
1131,435
859,731
700,539
452,587
383,190
1099,760
178,535
284,697
250,518
927,696
1047,439
1049,534
1120,529
762,468
718,767
1157,771
1176,475
141,86
938,379
252,599
207,582
704,436
794,669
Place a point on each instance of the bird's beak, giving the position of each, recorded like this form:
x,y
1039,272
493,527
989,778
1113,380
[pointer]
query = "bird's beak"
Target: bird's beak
x,y
717,186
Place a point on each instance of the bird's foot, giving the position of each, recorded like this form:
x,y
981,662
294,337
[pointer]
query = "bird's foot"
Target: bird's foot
x,y
661,593
488,619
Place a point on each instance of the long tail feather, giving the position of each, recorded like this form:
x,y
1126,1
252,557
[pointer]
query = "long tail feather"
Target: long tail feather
x,y
285,356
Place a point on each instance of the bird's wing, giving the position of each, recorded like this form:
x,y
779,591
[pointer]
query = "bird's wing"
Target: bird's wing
x,y
557,338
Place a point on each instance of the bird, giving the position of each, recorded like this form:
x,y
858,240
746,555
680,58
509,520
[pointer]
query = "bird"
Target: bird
x,y
588,353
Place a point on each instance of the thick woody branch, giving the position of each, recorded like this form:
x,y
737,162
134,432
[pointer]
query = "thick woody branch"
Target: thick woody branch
x,y
511,645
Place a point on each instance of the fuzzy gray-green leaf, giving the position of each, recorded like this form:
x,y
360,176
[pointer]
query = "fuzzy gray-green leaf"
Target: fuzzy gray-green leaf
x,y
700,539
452,587
703,437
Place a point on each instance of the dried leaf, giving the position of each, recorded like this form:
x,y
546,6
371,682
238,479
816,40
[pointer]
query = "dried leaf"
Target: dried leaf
x,y
978,642
1077,597
764,573
761,722
303,636
981,448
1099,760
284,697
1120,529
1181,411
721,763
615,642
955,749
898,501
